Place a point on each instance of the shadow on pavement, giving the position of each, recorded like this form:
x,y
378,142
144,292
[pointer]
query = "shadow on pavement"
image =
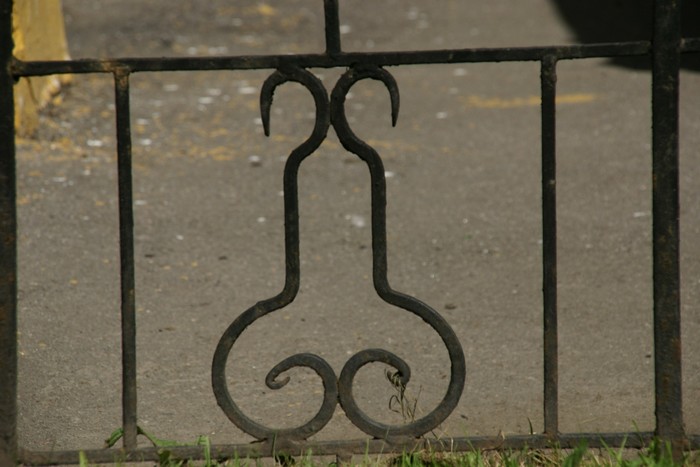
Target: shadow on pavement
x,y
625,20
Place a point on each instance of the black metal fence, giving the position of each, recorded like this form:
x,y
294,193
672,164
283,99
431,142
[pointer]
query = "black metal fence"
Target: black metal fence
x,y
665,50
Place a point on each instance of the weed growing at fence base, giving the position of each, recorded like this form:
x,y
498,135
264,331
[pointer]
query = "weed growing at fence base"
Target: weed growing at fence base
x,y
658,454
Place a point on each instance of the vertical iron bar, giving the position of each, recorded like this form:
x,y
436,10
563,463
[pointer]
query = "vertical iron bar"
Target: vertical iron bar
x,y
8,246
126,252
330,8
548,83
666,232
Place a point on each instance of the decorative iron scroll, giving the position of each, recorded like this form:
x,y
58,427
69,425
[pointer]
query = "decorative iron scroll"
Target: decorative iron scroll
x,y
336,390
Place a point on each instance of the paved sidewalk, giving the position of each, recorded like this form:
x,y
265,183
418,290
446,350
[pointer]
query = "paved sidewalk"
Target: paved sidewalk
x,y
464,226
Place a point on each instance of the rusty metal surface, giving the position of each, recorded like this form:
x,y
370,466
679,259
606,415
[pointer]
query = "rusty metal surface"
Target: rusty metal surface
x,y
340,59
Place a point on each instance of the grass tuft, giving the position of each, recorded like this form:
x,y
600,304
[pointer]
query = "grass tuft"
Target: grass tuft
x,y
657,454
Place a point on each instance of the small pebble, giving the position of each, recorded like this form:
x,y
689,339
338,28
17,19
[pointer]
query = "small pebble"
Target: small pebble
x,y
245,90
356,220
255,161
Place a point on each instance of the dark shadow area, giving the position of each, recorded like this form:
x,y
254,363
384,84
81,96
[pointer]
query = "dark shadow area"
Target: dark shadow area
x,y
625,20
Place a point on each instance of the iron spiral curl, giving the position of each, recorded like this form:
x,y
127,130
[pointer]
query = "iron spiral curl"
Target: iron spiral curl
x,y
364,151
291,286
336,390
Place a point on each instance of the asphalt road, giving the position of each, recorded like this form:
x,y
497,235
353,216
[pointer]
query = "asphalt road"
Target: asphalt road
x,y
464,225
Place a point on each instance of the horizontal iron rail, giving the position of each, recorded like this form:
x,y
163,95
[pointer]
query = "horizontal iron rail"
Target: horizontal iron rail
x,y
333,60
344,448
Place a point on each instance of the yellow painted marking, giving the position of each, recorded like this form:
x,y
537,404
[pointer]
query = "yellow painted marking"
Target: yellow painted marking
x,y
221,157
266,10
576,98
218,132
530,101
26,199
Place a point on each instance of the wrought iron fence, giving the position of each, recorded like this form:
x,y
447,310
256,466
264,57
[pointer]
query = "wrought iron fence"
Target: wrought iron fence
x,y
664,48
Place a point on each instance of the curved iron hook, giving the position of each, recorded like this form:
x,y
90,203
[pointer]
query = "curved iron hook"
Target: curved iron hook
x,y
346,81
292,277
335,390
352,143
310,82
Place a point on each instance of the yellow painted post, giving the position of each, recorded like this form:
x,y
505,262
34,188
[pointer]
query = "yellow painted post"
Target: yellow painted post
x,y
39,34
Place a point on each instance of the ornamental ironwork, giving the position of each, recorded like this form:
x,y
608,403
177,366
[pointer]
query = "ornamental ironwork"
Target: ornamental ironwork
x,y
336,390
